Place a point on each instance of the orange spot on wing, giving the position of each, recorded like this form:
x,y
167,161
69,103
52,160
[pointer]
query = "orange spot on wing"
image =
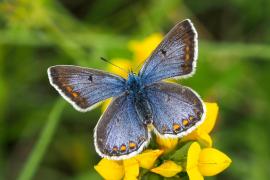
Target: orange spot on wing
x,y
132,145
187,49
185,122
187,57
176,127
69,89
75,94
191,118
123,148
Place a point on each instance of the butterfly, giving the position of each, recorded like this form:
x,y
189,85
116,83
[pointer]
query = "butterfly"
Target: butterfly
x,y
141,100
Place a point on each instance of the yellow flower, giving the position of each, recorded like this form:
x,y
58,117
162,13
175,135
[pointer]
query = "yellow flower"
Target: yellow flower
x,y
167,144
147,158
205,162
167,169
201,134
213,161
142,49
105,104
129,168
110,169
211,116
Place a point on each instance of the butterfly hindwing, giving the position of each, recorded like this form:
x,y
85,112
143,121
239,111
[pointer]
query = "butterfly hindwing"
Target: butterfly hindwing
x,y
120,133
175,56
84,87
177,110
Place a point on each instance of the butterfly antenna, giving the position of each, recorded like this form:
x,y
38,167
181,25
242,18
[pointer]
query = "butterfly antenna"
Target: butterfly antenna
x,y
107,61
139,65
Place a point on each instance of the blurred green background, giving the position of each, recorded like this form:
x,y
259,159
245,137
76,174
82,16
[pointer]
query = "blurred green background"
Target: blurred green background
x,y
233,70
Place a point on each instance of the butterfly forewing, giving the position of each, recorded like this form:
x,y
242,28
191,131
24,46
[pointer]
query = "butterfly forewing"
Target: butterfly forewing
x,y
120,133
177,110
84,87
175,56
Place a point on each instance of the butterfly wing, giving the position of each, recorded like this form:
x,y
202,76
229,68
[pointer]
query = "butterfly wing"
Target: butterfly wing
x,y
120,133
84,87
177,110
175,56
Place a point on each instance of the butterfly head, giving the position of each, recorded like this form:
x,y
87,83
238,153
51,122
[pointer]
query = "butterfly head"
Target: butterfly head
x,y
134,83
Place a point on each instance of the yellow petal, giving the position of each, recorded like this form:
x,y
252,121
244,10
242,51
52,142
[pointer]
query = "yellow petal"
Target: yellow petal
x,y
194,174
192,162
199,135
131,167
142,49
110,169
211,116
167,169
167,144
212,162
171,80
123,63
193,156
147,158
105,104
204,138
192,136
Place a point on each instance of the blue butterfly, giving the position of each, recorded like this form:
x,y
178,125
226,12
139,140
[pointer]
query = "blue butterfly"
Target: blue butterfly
x,y
141,100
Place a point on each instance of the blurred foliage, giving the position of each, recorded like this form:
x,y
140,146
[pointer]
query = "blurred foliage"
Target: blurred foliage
x,y
233,69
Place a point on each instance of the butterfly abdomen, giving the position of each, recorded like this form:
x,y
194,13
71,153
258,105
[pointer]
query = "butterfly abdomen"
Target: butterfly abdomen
x,y
143,108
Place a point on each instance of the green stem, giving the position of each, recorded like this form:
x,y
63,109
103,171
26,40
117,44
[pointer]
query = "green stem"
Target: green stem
x,y
43,142
3,100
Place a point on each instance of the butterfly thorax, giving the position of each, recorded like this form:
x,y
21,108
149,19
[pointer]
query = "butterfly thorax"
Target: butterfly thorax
x,y
134,84
135,89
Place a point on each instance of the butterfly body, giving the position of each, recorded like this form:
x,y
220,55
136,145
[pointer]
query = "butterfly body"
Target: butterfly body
x,y
140,100
134,84
137,94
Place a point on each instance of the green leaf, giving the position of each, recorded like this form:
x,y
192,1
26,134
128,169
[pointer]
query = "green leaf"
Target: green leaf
x,y
151,176
180,155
